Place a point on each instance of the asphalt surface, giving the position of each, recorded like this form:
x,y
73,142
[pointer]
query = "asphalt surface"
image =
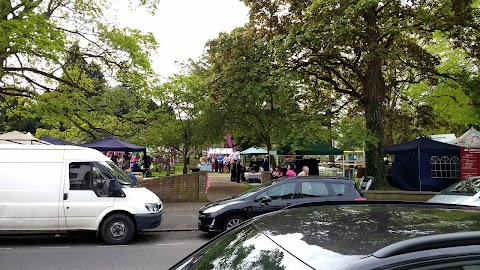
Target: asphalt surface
x,y
146,251
184,216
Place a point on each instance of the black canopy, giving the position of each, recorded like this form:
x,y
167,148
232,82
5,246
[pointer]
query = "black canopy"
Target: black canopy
x,y
412,167
312,149
113,144
55,141
425,144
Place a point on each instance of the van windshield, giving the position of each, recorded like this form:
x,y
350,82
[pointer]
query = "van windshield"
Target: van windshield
x,y
114,171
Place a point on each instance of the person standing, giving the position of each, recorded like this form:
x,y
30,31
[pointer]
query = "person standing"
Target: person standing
x,y
266,165
233,171
304,172
290,172
277,173
238,171
216,164
220,163
125,162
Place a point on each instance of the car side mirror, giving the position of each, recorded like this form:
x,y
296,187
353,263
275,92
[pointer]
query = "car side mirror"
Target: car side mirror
x,y
266,200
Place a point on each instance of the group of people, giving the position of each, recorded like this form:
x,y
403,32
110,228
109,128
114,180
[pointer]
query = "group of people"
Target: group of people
x,y
127,163
277,173
236,170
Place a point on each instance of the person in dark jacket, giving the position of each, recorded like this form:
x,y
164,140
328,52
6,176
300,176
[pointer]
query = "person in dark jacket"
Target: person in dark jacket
x,y
233,171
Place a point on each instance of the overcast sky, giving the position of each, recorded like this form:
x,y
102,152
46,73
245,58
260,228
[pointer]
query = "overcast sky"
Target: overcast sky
x,y
182,27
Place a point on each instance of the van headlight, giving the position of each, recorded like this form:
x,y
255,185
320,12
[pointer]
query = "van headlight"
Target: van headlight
x,y
152,207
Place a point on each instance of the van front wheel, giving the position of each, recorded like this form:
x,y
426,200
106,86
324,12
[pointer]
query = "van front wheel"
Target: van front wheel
x,y
118,229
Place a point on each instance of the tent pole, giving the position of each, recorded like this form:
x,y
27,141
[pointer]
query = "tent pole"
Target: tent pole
x,y
419,162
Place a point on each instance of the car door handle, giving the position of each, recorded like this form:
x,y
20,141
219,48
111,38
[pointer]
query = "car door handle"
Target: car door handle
x,y
288,204
65,196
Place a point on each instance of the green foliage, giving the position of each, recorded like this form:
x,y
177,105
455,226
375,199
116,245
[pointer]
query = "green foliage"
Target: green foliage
x,y
256,99
35,34
185,122
351,133
364,50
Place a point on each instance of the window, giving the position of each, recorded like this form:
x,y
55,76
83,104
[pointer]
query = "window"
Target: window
x,y
280,192
88,176
445,167
339,189
80,176
314,189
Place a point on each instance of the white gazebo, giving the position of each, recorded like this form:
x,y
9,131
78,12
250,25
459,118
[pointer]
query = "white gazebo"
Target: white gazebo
x,y
16,137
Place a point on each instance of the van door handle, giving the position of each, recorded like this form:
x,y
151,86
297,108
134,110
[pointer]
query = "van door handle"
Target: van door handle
x,y
65,196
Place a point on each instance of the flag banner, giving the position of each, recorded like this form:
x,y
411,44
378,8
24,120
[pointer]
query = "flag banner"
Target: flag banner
x,y
228,138
208,185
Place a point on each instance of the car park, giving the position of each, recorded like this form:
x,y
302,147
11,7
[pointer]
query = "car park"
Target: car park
x,y
222,215
465,192
348,235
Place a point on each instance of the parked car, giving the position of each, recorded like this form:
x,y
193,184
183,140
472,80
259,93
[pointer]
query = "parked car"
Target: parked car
x,y
465,192
349,235
225,214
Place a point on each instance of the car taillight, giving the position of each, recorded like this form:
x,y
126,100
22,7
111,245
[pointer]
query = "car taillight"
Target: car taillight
x,y
360,199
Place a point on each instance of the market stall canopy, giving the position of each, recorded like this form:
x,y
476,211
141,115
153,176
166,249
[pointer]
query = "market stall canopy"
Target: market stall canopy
x,y
55,141
470,139
313,149
113,144
16,137
425,144
412,167
220,151
445,138
318,149
257,151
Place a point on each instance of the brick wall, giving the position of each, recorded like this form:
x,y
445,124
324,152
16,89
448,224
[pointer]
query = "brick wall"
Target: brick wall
x,y
419,196
179,188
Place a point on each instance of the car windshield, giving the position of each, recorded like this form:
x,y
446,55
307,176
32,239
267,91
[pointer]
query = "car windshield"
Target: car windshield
x,y
114,171
470,186
255,189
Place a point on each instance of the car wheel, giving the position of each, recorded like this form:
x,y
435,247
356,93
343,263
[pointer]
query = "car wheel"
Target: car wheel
x,y
232,221
118,229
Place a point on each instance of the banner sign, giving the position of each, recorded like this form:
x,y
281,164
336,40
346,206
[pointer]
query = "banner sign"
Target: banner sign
x,y
469,162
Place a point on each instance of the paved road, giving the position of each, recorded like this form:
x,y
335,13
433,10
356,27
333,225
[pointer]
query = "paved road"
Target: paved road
x,y
153,250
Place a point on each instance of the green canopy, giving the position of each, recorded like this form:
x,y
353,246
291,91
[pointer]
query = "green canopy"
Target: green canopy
x,y
315,149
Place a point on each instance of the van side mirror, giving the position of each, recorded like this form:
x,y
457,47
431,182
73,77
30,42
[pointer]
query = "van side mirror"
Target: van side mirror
x,y
114,190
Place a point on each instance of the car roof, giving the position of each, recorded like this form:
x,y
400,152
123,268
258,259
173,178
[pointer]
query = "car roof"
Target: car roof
x,y
317,178
354,230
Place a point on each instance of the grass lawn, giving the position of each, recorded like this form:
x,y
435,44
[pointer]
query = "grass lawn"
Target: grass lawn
x,y
177,170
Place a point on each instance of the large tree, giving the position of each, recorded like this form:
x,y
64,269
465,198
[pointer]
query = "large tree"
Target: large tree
x,y
364,49
258,102
34,35
185,123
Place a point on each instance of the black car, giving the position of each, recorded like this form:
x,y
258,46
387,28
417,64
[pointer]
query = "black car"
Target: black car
x,y
357,235
225,214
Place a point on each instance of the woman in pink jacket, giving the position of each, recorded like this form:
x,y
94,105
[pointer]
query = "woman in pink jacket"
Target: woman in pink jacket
x,y
290,172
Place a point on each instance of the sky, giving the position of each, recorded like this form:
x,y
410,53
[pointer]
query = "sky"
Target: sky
x,y
182,27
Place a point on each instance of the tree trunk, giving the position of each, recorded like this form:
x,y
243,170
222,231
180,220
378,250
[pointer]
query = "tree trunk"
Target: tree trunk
x,y
373,101
271,160
186,162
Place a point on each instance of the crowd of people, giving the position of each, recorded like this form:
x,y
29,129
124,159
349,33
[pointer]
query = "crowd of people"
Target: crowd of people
x,y
278,173
234,166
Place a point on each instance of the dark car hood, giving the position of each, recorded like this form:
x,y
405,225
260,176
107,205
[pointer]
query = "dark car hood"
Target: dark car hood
x,y
329,236
229,200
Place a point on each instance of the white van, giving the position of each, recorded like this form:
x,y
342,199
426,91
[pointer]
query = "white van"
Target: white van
x,y
50,188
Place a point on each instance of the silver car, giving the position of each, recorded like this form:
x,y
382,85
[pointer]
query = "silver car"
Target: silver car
x,y
465,192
